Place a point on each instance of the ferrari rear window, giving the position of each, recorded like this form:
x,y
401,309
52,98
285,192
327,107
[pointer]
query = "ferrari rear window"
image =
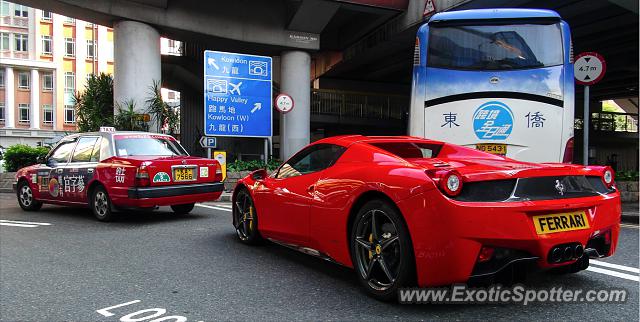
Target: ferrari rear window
x,y
410,150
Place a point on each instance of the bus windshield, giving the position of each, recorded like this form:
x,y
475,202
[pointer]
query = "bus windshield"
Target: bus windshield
x,y
495,47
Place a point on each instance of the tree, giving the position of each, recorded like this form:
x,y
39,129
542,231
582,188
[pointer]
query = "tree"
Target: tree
x,y
94,106
128,119
162,113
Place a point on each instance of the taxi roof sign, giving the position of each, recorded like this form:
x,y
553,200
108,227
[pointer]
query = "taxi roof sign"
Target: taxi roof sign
x,y
107,129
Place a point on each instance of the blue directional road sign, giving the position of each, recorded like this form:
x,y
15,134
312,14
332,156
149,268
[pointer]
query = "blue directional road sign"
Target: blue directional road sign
x,y
237,95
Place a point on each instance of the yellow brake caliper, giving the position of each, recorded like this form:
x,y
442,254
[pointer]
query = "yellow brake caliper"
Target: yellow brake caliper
x,y
370,241
251,218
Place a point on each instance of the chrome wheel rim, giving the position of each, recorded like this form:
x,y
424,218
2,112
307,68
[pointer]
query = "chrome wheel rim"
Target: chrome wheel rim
x,y
26,196
244,216
101,204
377,249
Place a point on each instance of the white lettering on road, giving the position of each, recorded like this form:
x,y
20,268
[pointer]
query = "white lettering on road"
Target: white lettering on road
x,y
24,224
155,313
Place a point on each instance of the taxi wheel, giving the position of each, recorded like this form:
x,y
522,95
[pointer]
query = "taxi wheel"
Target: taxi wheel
x,y
101,204
25,197
183,209
381,250
245,218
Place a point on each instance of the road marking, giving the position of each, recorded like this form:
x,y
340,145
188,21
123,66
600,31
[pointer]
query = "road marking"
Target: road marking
x,y
616,266
24,224
629,226
614,273
213,207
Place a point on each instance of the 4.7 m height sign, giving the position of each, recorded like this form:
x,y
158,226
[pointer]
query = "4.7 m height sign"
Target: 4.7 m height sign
x,y
237,95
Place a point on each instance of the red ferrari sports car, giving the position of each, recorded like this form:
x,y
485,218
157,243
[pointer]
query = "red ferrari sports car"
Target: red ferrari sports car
x,y
403,211
110,170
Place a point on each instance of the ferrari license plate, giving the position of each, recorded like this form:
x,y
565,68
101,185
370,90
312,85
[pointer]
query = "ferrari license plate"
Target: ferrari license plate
x,y
183,174
555,223
492,148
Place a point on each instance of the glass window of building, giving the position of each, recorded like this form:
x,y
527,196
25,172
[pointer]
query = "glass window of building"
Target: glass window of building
x,y
69,82
47,45
69,20
2,78
24,112
4,8
69,47
20,10
90,48
47,81
22,42
23,80
46,15
4,41
2,111
69,114
47,114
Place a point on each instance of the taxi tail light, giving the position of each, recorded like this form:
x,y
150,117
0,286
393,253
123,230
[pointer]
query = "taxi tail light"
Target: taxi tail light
x,y
568,151
218,176
449,181
142,177
608,176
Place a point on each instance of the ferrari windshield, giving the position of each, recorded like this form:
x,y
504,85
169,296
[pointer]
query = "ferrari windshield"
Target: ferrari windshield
x,y
148,145
410,150
495,47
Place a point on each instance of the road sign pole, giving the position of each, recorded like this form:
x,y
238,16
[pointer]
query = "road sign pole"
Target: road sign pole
x,y
266,150
585,128
208,153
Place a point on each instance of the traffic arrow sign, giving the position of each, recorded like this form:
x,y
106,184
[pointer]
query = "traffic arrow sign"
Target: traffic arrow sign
x,y
208,142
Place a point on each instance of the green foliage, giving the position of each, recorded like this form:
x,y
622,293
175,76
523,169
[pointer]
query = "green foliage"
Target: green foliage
x,y
94,106
252,165
20,155
128,119
627,176
161,112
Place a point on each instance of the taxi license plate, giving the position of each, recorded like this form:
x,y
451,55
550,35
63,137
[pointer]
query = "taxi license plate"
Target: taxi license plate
x,y
183,174
492,148
555,223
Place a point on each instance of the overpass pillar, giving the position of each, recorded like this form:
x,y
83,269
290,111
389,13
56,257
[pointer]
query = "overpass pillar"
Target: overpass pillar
x,y
137,64
295,126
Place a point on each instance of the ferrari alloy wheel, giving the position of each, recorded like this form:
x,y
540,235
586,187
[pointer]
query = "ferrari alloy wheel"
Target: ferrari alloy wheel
x,y
381,250
25,197
245,218
101,204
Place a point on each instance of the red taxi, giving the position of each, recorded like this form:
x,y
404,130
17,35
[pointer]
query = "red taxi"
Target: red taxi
x,y
113,170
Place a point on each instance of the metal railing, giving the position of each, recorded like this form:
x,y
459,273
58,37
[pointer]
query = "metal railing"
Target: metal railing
x,y
358,105
611,122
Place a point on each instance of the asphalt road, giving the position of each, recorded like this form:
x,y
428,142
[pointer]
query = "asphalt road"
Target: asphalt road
x,y
67,266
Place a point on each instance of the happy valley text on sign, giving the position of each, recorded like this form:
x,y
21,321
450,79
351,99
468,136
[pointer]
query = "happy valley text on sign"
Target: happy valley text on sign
x,y
237,90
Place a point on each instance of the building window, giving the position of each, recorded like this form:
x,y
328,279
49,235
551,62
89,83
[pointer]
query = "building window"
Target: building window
x,y
4,8
24,113
2,78
69,82
47,81
88,77
22,42
23,80
69,114
1,111
46,15
4,41
47,114
20,10
46,45
90,48
69,47
69,20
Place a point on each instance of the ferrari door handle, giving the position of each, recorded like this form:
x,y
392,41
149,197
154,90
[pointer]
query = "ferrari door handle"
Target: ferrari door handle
x,y
311,188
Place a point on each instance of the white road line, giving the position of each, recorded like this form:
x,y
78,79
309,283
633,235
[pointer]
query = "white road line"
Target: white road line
x,y
613,273
213,207
26,222
17,225
615,266
629,226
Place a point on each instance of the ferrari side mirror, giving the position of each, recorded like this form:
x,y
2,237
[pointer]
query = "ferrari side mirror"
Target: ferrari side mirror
x,y
259,174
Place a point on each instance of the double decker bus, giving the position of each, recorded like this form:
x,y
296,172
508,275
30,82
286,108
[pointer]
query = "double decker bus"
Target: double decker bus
x,y
498,80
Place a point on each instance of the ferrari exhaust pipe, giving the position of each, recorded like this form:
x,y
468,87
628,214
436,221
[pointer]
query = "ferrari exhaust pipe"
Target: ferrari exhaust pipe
x,y
556,255
567,253
578,251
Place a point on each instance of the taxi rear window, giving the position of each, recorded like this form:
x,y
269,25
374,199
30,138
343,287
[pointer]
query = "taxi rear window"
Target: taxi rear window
x,y
148,145
410,150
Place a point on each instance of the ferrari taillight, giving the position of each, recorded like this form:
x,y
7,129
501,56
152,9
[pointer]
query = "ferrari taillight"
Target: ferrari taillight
x,y
449,181
607,176
142,176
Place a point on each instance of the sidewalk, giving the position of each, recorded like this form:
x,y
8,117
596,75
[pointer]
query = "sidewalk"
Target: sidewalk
x,y
630,212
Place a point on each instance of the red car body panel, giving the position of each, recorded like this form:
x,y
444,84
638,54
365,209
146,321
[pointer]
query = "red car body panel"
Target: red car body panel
x,y
313,210
70,183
